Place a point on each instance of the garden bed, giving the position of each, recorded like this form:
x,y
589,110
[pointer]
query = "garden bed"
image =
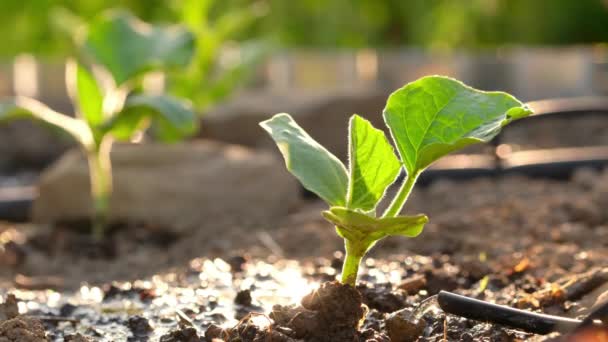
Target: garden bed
x,y
533,244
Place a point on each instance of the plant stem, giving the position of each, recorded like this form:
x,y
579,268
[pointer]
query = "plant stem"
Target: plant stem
x,y
404,192
352,259
100,174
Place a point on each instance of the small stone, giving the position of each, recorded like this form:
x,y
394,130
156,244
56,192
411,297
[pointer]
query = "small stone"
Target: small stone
x,y
188,334
243,297
213,331
67,310
139,326
401,327
413,284
237,263
77,338
371,335
466,337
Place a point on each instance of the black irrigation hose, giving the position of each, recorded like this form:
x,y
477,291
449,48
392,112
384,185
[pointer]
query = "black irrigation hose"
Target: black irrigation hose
x,y
499,314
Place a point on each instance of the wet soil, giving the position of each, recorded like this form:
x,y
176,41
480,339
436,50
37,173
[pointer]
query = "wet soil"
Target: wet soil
x,y
528,243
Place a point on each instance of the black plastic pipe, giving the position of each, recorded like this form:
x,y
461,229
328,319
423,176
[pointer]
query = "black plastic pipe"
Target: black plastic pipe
x,y
528,321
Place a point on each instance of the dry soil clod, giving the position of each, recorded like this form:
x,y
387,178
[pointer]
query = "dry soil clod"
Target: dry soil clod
x,y
22,329
9,308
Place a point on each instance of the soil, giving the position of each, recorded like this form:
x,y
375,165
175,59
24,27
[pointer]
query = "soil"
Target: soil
x,y
22,329
534,244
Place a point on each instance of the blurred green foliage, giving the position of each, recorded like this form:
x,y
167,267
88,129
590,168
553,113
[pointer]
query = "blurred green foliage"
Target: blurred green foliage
x,y
36,26
33,26
437,23
214,72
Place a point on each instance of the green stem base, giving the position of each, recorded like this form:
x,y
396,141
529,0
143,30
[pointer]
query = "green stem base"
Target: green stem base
x,y
352,260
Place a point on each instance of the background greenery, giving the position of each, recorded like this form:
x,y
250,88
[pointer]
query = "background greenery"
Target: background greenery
x,y
38,26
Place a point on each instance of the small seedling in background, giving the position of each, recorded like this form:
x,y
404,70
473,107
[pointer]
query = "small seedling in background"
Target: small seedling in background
x,y
428,119
216,70
125,48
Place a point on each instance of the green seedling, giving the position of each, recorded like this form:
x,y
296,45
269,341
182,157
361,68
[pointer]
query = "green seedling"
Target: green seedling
x,y
211,76
125,48
428,119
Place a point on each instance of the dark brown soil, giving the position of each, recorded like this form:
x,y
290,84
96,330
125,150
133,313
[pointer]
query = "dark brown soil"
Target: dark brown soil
x,y
333,312
534,244
76,238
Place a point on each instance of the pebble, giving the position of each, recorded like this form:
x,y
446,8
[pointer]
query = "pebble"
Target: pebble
x,y
401,327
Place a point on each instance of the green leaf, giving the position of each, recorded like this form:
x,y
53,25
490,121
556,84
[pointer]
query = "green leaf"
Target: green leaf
x,y
436,115
86,94
128,47
316,168
174,119
233,76
373,165
26,108
358,226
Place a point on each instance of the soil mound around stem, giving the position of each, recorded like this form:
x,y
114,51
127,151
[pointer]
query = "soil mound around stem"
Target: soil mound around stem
x,y
333,312
339,308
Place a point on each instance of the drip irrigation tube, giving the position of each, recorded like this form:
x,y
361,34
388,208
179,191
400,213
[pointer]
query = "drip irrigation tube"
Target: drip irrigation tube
x,y
528,321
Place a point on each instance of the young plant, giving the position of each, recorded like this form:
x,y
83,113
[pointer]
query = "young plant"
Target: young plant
x,y
126,48
211,77
428,119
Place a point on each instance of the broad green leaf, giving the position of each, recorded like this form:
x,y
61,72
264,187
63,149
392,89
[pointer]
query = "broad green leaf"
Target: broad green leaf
x,y
85,92
436,115
373,164
26,108
173,119
128,47
316,168
355,225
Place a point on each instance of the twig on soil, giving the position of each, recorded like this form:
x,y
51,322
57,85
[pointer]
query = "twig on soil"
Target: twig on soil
x,y
184,319
247,318
569,288
445,328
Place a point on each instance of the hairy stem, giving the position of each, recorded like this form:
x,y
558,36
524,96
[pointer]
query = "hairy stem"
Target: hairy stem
x,y
404,192
100,174
354,254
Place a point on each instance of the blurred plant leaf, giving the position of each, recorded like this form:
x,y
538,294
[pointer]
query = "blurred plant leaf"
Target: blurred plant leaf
x,y
85,93
316,168
373,165
173,119
238,20
251,54
436,115
26,108
128,47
